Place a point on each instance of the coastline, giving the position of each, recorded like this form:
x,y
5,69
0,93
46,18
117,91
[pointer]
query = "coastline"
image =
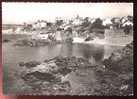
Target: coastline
x,y
112,41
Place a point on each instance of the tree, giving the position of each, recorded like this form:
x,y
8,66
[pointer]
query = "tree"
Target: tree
x,y
117,24
130,18
127,29
49,24
98,24
59,22
86,22
113,20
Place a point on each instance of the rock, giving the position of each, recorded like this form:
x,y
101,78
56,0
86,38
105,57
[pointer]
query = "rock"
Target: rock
x,y
29,64
51,72
116,56
89,38
21,64
64,71
121,60
117,79
35,76
6,40
24,42
31,42
45,68
51,77
69,40
124,87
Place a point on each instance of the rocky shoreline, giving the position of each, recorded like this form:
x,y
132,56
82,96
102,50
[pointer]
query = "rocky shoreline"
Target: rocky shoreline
x,y
120,66
113,77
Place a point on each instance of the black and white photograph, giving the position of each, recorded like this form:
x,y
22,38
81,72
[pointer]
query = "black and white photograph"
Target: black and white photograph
x,y
67,48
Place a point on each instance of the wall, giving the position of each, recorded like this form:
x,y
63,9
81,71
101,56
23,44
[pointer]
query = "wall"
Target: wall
x,y
117,37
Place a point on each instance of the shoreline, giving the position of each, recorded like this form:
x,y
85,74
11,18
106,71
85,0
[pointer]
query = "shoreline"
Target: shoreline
x,y
101,42
78,40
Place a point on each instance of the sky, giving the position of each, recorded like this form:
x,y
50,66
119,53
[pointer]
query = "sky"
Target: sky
x,y
18,13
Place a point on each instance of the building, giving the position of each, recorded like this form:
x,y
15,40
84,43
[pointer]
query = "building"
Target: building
x,y
39,24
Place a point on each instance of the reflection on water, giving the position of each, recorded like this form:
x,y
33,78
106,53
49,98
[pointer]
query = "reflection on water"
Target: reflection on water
x,y
14,54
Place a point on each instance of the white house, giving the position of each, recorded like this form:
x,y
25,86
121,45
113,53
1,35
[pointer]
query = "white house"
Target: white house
x,y
107,22
92,20
43,24
124,19
128,23
39,25
77,21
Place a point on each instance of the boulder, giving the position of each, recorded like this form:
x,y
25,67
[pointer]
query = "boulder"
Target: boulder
x,y
6,41
29,64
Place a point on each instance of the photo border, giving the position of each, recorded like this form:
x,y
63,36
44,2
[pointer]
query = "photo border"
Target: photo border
x,y
2,96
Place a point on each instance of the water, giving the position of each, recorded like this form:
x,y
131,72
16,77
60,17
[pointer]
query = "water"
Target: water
x,y
12,55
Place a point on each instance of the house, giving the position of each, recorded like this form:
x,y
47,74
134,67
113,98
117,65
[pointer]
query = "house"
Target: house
x,y
108,23
128,23
92,20
124,19
39,24
77,21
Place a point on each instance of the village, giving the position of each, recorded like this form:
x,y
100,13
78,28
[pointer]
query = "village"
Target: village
x,y
77,30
